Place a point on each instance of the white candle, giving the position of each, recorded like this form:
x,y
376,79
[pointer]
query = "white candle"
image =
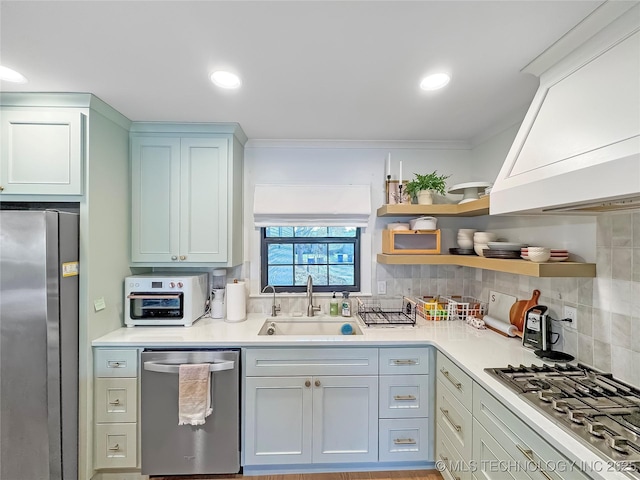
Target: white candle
x,y
400,174
389,165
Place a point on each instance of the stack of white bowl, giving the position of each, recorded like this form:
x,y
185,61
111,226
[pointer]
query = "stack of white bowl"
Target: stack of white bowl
x,y
465,237
481,240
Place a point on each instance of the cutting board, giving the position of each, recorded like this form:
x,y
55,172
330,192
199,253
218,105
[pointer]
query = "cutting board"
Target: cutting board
x,y
499,305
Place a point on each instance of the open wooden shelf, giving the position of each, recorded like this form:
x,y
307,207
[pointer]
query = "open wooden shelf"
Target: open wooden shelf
x,y
468,209
519,267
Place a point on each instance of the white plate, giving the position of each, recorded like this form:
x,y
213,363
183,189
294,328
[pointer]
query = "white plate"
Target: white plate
x,y
505,246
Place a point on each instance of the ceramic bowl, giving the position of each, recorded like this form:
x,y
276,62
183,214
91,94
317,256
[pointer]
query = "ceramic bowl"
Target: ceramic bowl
x,y
479,247
465,242
484,237
539,254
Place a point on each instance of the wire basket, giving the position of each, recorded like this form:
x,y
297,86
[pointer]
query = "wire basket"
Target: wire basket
x,y
387,311
456,307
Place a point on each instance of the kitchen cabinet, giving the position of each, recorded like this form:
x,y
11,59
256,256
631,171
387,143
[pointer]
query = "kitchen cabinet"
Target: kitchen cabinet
x,y
310,406
405,392
501,438
115,408
468,209
186,194
42,151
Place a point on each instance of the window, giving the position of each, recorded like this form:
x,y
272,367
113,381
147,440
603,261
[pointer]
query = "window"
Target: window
x,y
331,255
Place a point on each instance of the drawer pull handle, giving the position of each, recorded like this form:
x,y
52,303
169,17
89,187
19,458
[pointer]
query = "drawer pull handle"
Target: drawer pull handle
x,y
453,424
450,377
446,460
115,448
404,441
407,361
529,456
116,364
404,397
115,402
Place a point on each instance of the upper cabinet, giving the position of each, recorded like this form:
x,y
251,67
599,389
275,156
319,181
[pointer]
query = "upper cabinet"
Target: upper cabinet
x,y
42,151
186,194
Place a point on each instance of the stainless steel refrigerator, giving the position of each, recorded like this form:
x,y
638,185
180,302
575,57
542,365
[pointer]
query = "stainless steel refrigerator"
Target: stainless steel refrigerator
x,y
39,345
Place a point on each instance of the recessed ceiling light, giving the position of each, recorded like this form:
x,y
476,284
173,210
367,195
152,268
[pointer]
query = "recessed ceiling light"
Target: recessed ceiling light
x,y
225,79
435,81
9,75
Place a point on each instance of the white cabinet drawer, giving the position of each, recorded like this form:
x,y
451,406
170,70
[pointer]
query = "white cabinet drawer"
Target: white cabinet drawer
x,y
116,362
404,440
457,467
404,361
454,420
272,362
116,400
458,382
116,445
404,396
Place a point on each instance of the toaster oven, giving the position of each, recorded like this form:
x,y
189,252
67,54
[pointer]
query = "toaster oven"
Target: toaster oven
x,y
163,299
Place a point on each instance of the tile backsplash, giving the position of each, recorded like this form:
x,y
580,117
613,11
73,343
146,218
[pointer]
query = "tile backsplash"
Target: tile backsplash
x,y
608,306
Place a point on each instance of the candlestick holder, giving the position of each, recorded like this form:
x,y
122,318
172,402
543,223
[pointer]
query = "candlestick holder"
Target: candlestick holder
x,y
400,192
388,201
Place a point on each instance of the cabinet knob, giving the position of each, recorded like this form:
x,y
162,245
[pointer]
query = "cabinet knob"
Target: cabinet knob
x,y
317,383
183,257
174,257
1,188
307,383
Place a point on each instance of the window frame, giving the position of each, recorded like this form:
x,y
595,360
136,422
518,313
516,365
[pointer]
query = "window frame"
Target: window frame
x,y
266,241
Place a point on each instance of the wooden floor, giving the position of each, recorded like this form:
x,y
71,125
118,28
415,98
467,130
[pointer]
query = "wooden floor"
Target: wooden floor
x,y
396,475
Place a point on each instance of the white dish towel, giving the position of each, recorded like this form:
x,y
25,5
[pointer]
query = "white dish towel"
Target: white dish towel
x,y
194,397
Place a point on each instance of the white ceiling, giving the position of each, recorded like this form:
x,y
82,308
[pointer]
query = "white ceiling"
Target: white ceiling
x,y
310,69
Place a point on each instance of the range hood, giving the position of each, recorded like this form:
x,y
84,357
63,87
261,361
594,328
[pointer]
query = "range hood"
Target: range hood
x,y
578,148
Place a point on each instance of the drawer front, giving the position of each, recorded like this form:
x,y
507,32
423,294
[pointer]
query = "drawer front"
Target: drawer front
x,y
115,445
456,466
397,361
116,400
404,396
267,362
454,420
116,362
405,439
458,382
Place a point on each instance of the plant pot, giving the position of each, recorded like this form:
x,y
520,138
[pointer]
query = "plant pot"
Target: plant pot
x,y
425,197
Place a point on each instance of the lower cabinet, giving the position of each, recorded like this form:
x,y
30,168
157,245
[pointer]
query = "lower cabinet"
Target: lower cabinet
x,y
314,418
115,408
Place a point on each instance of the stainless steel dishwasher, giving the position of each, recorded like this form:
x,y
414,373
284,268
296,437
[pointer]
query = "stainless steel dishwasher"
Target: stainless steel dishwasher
x,y
172,449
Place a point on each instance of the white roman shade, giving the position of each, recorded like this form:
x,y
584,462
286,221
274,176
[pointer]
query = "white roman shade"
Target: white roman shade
x,y
312,205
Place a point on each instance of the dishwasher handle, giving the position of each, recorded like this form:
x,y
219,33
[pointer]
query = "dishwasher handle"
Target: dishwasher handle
x,y
159,367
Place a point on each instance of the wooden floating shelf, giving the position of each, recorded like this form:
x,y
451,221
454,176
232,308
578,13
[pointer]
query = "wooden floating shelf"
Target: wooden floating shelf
x,y
469,209
519,267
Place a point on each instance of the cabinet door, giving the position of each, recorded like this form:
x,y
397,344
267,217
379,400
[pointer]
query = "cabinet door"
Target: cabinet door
x,y
277,427
490,458
155,199
42,152
203,199
345,419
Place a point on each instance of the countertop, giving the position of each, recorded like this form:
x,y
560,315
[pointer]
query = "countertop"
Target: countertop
x,y
471,349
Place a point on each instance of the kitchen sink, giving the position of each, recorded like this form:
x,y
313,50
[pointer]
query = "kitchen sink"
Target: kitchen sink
x,y
307,326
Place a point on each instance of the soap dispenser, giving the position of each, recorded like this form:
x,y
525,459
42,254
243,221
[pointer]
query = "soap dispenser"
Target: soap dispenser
x,y
333,306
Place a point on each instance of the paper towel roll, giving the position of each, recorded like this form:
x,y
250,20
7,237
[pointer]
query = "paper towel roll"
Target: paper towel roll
x,y
236,302
506,328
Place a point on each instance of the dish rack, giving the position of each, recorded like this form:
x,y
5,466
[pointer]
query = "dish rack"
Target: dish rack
x,y
441,307
387,311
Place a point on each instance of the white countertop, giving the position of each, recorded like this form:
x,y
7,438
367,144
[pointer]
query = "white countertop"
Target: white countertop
x,y
471,349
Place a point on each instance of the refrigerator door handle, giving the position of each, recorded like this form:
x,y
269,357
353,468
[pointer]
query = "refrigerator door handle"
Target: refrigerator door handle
x,y
152,366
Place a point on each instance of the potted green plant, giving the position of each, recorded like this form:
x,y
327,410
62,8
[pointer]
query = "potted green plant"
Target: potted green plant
x,y
423,186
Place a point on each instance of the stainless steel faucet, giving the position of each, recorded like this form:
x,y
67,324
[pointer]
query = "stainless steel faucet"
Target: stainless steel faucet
x,y
274,309
311,308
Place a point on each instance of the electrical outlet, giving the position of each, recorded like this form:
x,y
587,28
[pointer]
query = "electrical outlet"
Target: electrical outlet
x,y
572,313
382,287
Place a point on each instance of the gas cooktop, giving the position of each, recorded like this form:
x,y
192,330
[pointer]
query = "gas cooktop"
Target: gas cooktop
x,y
601,411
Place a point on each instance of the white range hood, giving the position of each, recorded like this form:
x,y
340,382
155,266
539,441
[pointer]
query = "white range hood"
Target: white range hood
x,y
578,148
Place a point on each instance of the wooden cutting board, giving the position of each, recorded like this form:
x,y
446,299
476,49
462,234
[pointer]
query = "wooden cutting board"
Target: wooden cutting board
x,y
518,310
